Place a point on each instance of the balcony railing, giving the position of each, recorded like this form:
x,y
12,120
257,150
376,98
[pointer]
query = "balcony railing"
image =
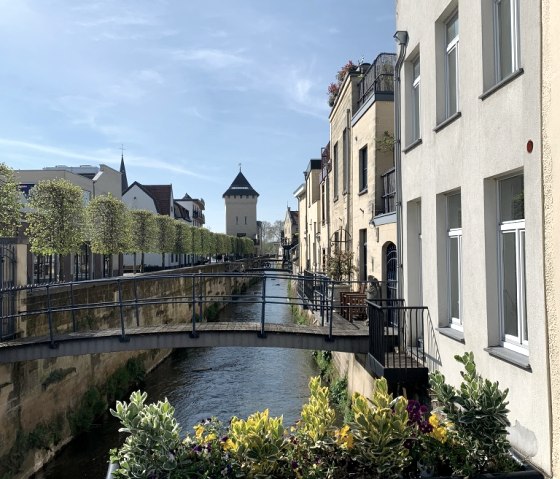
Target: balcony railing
x,y
389,192
378,78
396,335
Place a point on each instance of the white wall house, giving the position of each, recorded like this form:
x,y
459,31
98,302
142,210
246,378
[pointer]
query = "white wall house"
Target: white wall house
x,y
472,197
157,199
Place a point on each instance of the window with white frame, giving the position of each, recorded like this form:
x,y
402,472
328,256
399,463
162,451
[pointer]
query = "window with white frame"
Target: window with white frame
x,y
513,310
415,100
506,37
454,260
452,66
363,169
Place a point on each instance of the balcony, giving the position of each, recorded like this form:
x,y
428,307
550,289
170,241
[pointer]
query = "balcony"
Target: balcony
x,y
396,341
378,78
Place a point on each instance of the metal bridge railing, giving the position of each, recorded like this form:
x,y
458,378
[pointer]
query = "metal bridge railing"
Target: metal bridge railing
x,y
133,301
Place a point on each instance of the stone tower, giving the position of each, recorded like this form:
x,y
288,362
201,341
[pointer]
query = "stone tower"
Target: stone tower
x,y
241,208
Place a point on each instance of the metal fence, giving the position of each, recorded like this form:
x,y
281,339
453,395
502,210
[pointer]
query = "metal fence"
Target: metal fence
x,y
396,333
7,291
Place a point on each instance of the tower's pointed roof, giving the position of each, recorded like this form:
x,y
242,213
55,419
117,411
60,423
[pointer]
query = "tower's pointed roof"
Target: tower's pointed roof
x,y
240,186
124,180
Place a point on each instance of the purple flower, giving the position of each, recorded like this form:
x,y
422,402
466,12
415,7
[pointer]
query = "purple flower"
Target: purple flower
x,y
294,465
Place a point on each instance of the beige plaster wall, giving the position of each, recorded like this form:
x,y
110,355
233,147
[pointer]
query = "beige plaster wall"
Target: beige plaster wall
x,y
240,208
487,141
371,125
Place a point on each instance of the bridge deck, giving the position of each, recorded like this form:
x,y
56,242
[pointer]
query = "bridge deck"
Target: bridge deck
x,y
346,337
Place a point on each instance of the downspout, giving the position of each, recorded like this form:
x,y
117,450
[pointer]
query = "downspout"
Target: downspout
x,y
349,202
401,37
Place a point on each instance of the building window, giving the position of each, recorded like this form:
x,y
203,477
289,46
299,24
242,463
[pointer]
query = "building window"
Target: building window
x,y
345,161
415,101
363,254
513,311
506,37
335,170
363,169
452,66
245,220
454,260
237,220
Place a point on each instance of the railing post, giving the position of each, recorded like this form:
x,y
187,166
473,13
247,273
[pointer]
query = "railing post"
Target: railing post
x,y
123,338
322,301
193,333
262,334
52,344
330,336
136,307
72,306
201,296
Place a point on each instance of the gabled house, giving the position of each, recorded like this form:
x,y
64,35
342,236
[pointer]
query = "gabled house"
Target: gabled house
x,y
158,199
195,208
290,234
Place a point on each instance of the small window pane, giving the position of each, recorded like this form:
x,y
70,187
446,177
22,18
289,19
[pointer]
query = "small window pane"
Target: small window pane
x,y
454,255
416,70
452,82
452,28
505,37
509,284
522,268
512,199
416,118
454,211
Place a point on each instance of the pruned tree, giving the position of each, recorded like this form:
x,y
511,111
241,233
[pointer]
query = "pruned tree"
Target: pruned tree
x,y
165,236
108,226
197,240
183,238
272,234
56,220
143,234
10,202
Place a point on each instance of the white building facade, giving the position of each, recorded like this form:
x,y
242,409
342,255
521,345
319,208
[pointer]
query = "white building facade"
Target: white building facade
x,y
472,206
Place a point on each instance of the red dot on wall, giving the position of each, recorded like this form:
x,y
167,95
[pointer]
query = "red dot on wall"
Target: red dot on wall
x,y
530,146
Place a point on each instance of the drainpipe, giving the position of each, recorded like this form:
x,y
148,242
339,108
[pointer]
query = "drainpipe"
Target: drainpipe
x,y
401,37
348,153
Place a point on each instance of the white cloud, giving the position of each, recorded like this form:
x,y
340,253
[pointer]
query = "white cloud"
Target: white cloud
x,y
26,152
210,57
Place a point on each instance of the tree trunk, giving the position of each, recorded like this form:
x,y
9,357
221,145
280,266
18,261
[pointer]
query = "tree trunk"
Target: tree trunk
x,y
134,263
162,260
142,263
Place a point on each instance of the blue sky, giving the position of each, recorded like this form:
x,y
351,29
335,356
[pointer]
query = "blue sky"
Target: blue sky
x,y
191,88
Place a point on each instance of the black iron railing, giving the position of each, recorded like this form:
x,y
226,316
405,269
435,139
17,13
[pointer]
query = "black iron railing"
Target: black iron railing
x,y
378,78
396,334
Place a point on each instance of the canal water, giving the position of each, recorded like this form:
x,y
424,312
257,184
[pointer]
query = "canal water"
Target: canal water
x,y
200,383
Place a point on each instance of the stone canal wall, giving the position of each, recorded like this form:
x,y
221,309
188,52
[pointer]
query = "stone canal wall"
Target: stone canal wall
x,y
44,403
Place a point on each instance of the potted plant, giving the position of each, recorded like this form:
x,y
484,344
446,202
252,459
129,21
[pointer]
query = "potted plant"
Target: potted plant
x,y
340,265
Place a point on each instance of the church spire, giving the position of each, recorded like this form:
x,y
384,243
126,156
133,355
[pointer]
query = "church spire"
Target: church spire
x,y
124,180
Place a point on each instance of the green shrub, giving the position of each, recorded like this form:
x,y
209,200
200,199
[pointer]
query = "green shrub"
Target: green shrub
x,y
478,412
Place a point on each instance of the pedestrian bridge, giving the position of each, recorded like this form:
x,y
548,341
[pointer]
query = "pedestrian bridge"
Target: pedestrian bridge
x,y
208,335
153,311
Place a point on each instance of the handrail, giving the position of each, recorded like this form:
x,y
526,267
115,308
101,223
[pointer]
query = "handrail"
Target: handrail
x,y
122,294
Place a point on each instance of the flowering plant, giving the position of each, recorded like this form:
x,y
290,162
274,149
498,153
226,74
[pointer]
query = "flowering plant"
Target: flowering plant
x,y
389,437
334,88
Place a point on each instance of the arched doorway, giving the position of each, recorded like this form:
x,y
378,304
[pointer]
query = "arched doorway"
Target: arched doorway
x,y
391,270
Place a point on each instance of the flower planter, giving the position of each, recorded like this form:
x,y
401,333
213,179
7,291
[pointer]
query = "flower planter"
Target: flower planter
x,y
501,475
